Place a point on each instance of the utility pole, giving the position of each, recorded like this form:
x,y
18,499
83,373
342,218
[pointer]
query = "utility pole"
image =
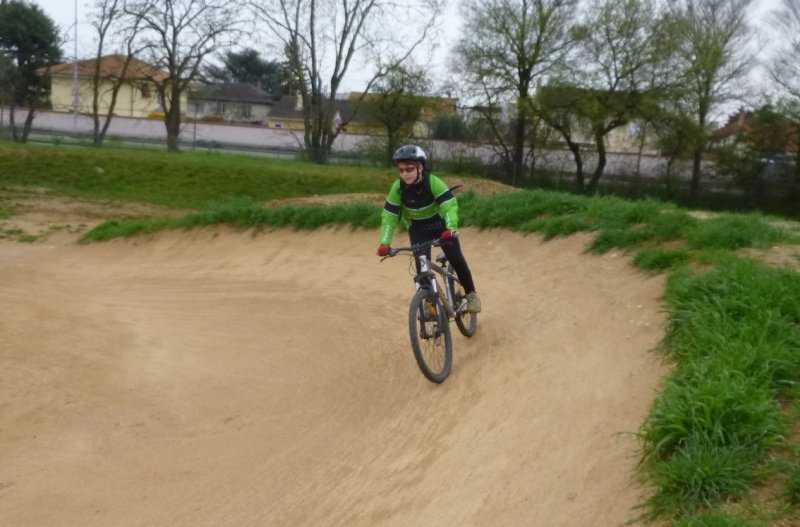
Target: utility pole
x,y
76,96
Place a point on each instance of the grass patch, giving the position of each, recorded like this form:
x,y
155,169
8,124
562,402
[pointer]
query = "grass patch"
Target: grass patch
x,y
793,486
659,259
248,215
189,180
712,520
737,231
17,235
735,341
618,223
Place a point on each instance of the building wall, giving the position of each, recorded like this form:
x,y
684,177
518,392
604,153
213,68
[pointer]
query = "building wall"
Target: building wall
x,y
351,128
230,111
135,99
626,139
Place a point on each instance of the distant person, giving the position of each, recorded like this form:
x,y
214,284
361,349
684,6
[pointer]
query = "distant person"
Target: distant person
x,y
424,204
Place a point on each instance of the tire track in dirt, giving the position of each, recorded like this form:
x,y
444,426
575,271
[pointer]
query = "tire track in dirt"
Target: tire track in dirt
x,y
230,378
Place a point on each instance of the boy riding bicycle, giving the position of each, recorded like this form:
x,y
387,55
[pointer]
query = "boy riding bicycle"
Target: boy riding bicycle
x,y
426,206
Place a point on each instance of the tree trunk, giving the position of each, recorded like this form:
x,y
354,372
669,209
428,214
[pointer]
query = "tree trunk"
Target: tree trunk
x,y
601,164
694,186
173,131
96,139
668,175
172,119
517,160
26,129
575,148
639,154
12,122
392,140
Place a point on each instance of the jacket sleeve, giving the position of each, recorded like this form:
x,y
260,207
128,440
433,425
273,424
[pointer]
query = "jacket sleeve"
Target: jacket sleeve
x,y
390,215
448,204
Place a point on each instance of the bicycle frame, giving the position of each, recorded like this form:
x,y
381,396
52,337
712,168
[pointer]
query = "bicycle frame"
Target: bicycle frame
x,y
428,272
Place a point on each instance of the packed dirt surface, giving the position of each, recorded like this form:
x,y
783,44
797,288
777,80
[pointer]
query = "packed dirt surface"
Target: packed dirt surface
x,y
215,378
38,214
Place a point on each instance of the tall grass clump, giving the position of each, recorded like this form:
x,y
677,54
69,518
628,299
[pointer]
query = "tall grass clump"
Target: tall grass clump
x,y
617,222
659,259
793,486
514,209
735,231
248,215
712,519
734,337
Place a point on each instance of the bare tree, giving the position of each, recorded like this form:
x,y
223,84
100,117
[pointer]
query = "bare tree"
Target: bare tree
x,y
307,30
713,37
785,64
509,46
108,16
176,36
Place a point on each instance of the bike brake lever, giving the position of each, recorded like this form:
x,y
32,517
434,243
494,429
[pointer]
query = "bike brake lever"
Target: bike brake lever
x,y
392,252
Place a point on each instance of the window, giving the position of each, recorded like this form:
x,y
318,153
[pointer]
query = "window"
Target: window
x,y
144,89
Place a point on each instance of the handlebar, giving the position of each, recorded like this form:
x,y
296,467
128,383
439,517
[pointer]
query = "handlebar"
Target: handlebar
x,y
394,251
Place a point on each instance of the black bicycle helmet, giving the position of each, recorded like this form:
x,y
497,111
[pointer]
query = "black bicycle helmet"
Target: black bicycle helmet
x,y
410,153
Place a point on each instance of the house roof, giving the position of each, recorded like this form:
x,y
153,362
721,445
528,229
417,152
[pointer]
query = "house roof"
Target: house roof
x,y
110,66
742,123
739,122
231,91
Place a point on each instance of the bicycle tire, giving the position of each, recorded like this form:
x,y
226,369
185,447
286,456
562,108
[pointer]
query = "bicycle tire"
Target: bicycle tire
x,y
431,341
467,323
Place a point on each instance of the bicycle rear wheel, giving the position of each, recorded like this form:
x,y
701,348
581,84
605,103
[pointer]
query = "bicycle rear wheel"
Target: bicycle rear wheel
x,y
430,335
466,322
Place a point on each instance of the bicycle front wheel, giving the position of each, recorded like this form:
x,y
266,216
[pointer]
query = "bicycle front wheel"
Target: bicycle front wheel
x,y
430,335
467,322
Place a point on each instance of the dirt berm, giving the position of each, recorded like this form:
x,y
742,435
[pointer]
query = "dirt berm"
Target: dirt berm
x,y
221,378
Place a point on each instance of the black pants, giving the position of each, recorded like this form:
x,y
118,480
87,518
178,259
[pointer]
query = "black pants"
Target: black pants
x,y
430,229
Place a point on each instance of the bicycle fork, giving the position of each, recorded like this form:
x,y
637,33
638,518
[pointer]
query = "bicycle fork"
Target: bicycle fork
x,y
429,276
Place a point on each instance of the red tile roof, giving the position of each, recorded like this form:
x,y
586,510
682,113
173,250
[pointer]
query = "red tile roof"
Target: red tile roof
x,y
111,66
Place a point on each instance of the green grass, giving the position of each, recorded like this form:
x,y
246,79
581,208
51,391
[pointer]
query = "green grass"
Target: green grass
x,y
247,215
660,259
712,520
18,235
793,486
733,337
736,231
180,181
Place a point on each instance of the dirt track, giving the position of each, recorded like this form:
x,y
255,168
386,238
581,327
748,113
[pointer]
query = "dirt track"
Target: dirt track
x,y
222,378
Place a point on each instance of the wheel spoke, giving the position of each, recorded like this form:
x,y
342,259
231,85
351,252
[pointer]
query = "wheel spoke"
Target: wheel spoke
x,y
430,336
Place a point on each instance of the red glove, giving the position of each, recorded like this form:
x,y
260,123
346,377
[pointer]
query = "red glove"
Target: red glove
x,y
383,250
448,234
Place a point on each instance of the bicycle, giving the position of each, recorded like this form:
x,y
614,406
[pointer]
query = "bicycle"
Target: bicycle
x,y
431,310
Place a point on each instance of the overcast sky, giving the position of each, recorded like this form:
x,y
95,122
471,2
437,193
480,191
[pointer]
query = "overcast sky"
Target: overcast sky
x,y
63,12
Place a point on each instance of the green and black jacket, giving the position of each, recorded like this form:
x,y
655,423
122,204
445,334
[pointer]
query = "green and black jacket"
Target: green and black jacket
x,y
419,202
